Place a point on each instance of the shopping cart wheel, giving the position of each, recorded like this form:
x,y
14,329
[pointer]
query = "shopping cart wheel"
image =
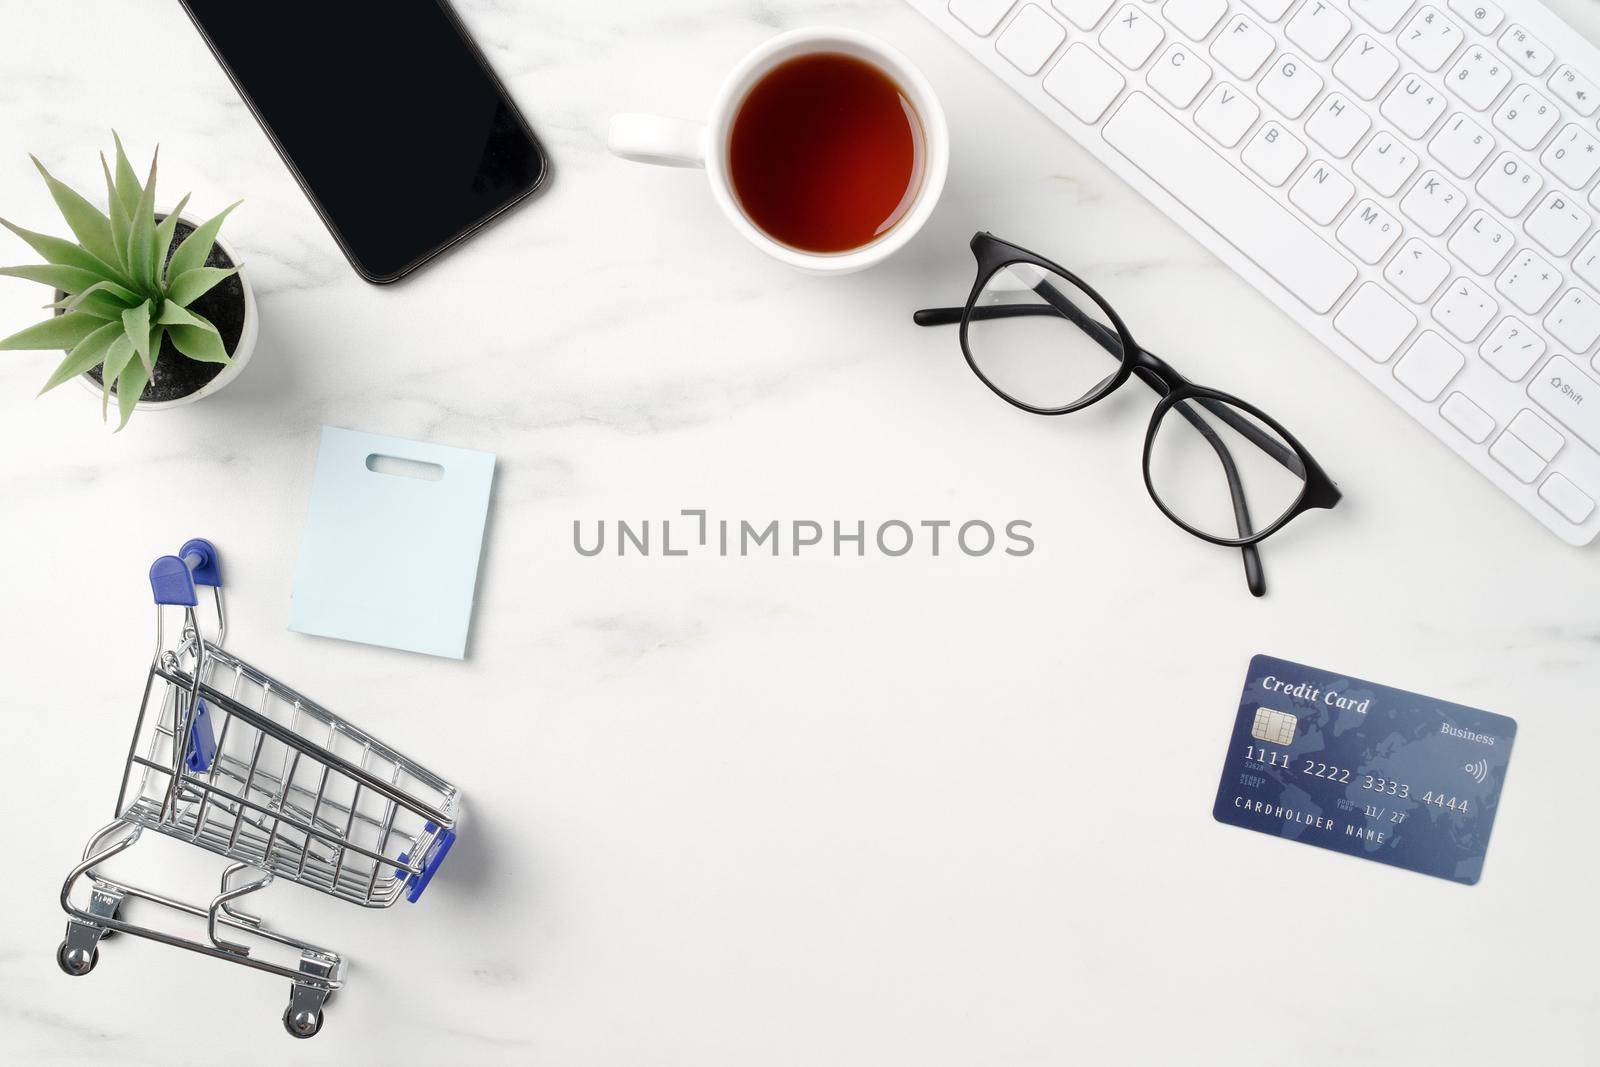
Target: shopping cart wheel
x,y
77,962
301,1024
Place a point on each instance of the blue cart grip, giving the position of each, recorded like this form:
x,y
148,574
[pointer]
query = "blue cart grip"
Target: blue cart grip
x,y
431,861
173,578
202,740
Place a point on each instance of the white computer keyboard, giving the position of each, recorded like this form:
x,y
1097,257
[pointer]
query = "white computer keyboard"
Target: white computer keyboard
x,y
1413,181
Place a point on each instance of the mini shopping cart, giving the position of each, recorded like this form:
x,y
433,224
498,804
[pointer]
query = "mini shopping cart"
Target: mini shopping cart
x,y
227,758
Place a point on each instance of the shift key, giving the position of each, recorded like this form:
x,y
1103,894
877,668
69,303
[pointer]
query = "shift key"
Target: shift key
x,y
1571,396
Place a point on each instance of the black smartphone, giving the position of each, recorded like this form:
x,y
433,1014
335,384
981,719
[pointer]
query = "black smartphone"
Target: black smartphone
x,y
388,115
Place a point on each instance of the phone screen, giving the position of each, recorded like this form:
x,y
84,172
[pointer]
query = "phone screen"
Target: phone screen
x,y
388,115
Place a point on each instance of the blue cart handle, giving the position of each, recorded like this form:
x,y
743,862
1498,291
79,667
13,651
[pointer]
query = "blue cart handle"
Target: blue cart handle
x,y
173,578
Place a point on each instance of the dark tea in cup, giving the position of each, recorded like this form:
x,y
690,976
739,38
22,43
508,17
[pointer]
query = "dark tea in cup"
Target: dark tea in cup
x,y
825,153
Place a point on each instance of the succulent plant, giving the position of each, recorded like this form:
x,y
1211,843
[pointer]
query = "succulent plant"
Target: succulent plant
x,y
123,294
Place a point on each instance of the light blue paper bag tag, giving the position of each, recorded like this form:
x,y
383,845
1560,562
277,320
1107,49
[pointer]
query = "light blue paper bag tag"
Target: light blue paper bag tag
x,y
392,540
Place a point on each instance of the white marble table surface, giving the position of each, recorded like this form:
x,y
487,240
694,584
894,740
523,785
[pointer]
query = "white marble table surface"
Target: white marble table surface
x,y
772,811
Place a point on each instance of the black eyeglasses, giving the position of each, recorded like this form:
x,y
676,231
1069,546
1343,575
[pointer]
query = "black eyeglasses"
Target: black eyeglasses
x,y
1046,342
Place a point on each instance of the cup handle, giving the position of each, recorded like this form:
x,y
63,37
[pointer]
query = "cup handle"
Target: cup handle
x,y
654,139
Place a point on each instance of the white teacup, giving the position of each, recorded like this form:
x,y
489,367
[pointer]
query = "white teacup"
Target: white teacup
x,y
682,143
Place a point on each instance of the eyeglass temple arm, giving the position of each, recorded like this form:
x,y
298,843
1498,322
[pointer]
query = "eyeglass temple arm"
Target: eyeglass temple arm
x,y
1060,304
1286,457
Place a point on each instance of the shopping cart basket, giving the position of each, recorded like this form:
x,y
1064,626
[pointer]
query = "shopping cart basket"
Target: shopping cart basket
x,y
227,758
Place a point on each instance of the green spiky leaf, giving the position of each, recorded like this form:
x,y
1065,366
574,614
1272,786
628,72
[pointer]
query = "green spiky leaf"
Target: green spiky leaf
x,y
199,343
125,297
136,321
163,242
66,254
197,246
69,280
128,190
191,285
84,355
92,228
63,331
129,388
174,315
96,301
118,354
142,239
118,216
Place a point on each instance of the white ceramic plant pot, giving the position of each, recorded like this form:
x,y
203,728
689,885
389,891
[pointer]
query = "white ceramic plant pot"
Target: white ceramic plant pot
x,y
241,353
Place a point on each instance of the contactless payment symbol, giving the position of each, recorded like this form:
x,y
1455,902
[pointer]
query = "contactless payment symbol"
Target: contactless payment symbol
x,y
1479,770
1274,727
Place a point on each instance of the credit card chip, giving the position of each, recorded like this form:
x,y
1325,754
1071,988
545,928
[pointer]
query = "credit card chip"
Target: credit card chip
x,y
1274,727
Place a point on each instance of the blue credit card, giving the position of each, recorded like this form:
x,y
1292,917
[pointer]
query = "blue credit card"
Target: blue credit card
x,y
1360,768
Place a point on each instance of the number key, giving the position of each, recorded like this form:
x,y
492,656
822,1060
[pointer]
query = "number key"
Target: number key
x,y
1526,117
1430,38
1509,184
1478,78
1574,156
1481,242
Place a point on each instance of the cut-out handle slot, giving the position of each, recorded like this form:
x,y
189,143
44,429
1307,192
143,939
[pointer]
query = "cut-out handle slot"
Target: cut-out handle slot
x,y
401,467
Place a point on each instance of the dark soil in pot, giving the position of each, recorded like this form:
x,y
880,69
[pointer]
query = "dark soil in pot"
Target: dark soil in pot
x,y
176,374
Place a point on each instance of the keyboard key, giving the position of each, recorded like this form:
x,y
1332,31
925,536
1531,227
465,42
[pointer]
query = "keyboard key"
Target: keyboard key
x,y
1573,503
1556,224
1369,231
1413,105
1586,264
1290,85
1573,157
1461,145
1460,412
1179,75
1321,193
1479,14
1318,27
1381,15
1031,39
1526,117
1464,310
1564,391
1338,124
1575,89
1537,434
1512,348
1481,242
1254,223
980,16
1478,77
1523,462
1575,321
1385,163
1417,271
1509,185
1131,36
1430,38
1084,83
1433,204
1084,14
1274,153
1242,46
1226,114
1366,67
1526,50
1528,281
1271,10
1195,18
1428,366
1375,322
